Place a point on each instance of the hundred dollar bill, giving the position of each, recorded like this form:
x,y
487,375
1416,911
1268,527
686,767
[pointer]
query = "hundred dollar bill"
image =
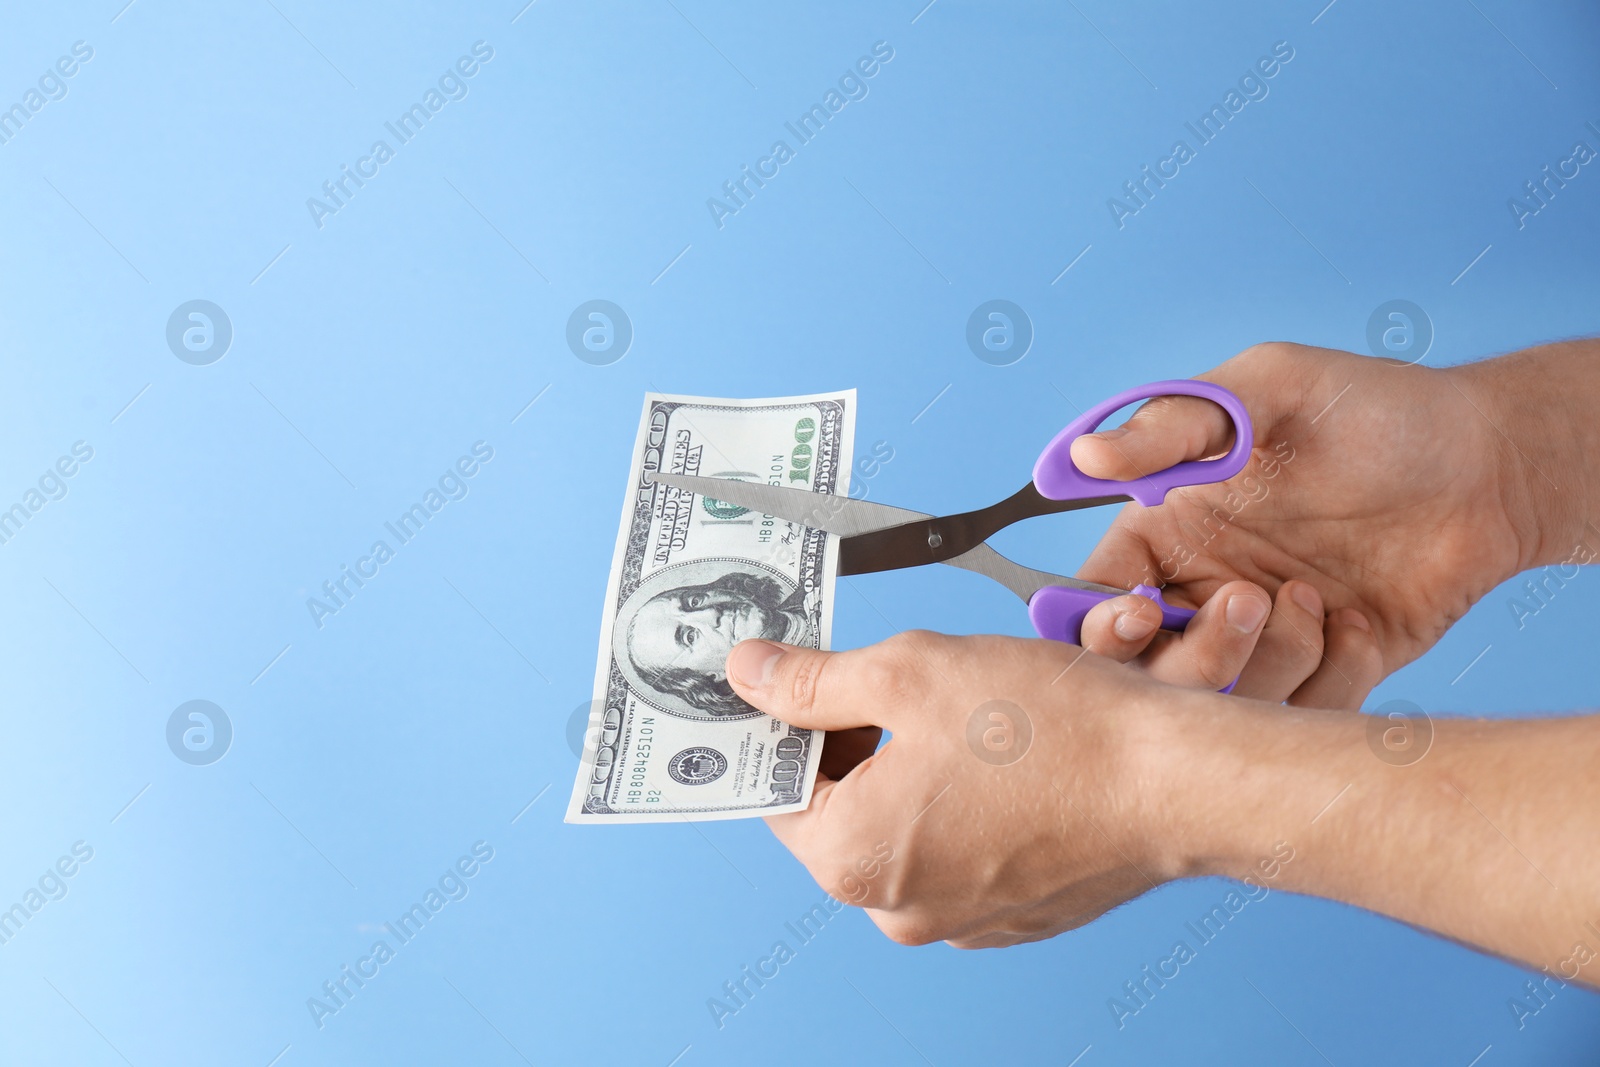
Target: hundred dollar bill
x,y
668,739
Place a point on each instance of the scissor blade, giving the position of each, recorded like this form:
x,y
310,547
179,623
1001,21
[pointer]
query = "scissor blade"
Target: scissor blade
x,y
1023,581
849,518
939,540
820,511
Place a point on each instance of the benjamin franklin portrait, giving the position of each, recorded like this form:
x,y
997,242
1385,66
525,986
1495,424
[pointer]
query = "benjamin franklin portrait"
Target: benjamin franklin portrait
x,y
677,629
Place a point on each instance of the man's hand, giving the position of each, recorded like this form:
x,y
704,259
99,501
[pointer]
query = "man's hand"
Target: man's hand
x,y
1030,786
986,851
1381,502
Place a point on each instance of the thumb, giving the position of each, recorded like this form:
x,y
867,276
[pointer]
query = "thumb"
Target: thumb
x,y
1165,431
801,686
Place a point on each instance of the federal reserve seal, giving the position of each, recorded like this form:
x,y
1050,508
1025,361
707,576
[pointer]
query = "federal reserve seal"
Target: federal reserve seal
x,y
697,766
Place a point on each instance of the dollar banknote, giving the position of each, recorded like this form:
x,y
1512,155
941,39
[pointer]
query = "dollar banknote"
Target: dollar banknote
x,y
668,739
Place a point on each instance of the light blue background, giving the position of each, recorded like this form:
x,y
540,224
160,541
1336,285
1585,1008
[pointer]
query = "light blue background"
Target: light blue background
x,y
423,718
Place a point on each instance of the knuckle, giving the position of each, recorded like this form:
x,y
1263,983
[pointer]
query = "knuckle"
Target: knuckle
x,y
1040,925
1299,642
912,644
1307,642
886,681
1372,659
1184,416
890,674
907,930
806,680
1270,353
1214,674
838,881
1156,409
890,894
1357,653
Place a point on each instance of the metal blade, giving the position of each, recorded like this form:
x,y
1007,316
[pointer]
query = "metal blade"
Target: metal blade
x,y
1023,581
820,511
939,540
850,518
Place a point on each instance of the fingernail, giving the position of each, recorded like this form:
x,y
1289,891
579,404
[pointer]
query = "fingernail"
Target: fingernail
x,y
1112,435
1131,626
1352,617
751,663
1307,597
1245,613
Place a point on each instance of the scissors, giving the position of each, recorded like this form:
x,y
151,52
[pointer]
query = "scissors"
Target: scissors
x,y
876,537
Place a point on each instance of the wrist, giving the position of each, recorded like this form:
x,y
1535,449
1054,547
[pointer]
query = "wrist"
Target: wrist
x,y
1235,790
1327,804
1542,406
1184,767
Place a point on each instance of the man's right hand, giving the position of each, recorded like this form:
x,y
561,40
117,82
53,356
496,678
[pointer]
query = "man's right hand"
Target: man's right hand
x,y
1381,501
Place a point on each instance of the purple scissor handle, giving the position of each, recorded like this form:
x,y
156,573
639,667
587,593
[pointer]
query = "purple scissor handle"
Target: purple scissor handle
x,y
1057,477
1057,611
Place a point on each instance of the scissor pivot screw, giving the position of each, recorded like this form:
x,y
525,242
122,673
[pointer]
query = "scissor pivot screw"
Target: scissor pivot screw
x,y
935,540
